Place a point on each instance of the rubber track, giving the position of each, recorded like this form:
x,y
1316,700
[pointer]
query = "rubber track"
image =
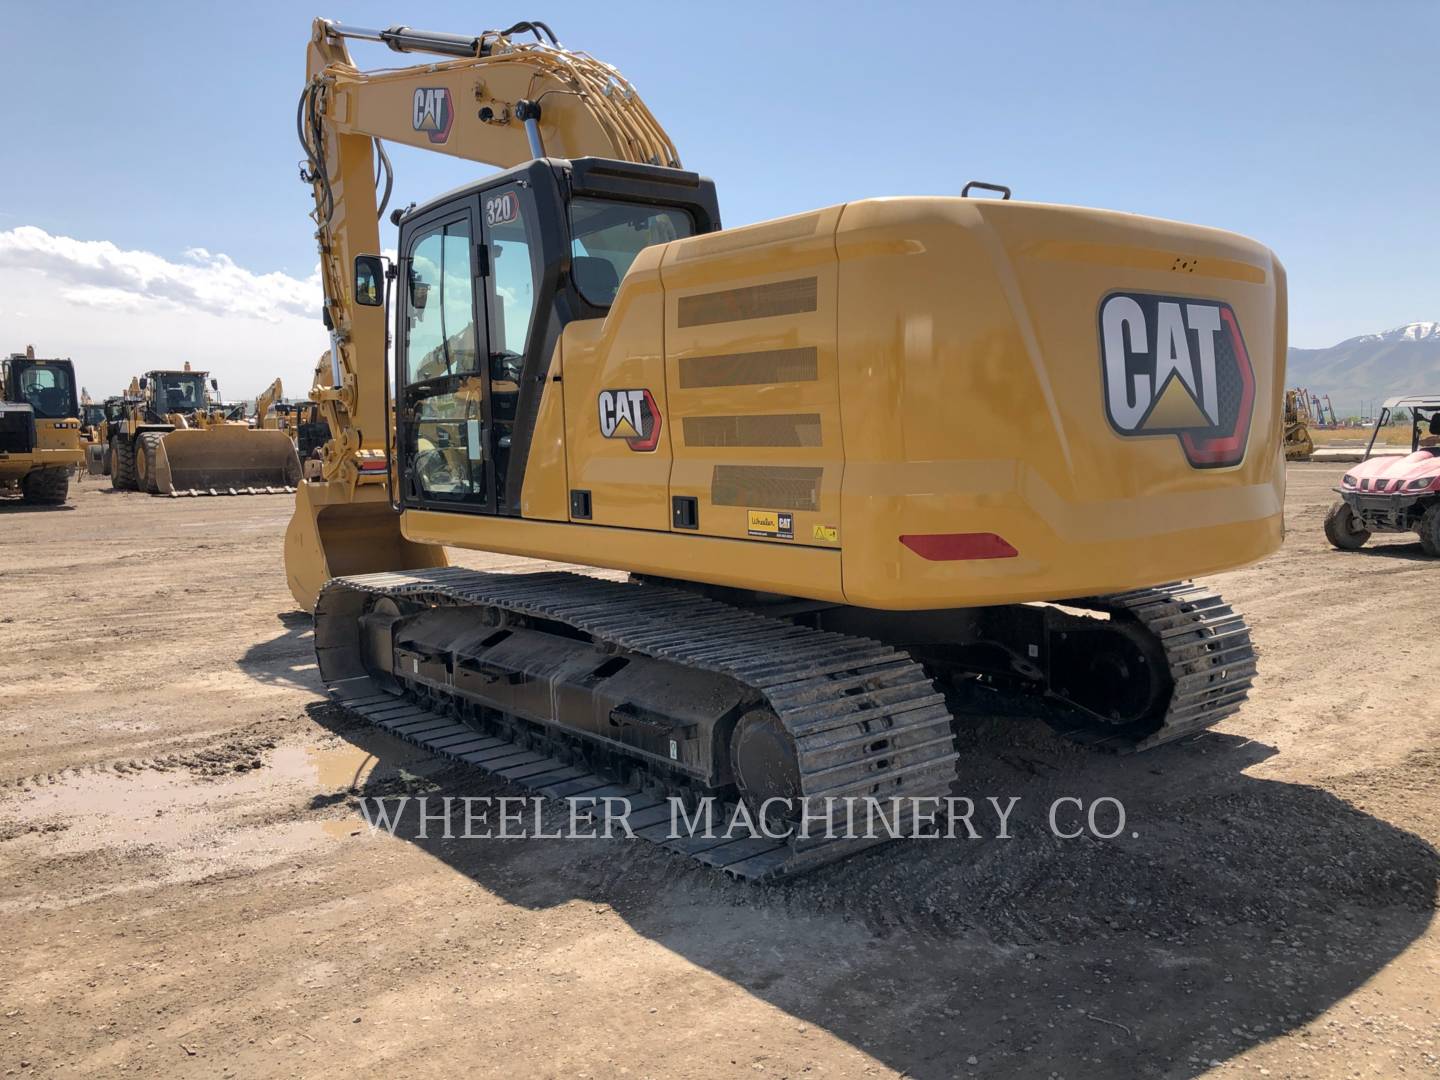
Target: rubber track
x,y
838,695
1209,652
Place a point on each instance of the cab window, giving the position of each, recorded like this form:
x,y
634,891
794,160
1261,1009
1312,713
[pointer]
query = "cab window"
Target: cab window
x,y
511,302
448,458
47,390
440,337
607,235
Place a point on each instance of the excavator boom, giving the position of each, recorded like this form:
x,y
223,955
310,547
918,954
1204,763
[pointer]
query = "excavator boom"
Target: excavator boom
x,y
494,100
266,402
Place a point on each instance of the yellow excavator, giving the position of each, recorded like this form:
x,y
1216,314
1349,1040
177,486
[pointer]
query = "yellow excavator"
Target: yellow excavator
x,y
300,420
267,416
870,468
175,438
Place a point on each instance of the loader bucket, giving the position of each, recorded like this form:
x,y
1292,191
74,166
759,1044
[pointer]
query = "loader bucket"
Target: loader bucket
x,y
225,460
357,534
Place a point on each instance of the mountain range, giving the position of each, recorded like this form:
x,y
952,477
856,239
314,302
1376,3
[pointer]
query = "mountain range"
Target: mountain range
x,y
1371,366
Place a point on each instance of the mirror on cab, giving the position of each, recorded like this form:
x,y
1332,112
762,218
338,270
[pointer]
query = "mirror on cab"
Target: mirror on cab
x,y
369,273
144,382
419,290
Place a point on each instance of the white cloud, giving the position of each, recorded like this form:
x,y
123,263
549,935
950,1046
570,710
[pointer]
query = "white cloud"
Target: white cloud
x,y
98,272
118,312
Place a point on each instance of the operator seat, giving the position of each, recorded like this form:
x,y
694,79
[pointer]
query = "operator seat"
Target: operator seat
x,y
595,278
49,402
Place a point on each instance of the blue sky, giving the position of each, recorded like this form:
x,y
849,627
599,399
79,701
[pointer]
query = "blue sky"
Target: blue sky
x,y
1304,125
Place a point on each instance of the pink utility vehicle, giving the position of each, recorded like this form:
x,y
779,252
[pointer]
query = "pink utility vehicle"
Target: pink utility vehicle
x,y
1393,493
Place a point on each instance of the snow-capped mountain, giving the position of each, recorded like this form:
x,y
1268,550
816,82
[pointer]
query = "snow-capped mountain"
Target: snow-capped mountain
x,y
1415,331
1402,360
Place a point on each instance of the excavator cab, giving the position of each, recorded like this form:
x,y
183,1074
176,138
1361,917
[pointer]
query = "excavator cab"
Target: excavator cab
x,y
492,273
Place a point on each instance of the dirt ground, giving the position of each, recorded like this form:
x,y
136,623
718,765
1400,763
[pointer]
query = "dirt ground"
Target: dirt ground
x,y
187,889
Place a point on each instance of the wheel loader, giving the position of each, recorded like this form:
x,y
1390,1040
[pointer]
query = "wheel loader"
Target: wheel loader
x,y
176,438
870,468
92,437
113,411
40,445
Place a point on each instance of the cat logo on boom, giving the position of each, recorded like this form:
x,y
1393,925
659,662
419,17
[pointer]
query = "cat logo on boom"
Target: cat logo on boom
x,y
1176,365
433,113
631,415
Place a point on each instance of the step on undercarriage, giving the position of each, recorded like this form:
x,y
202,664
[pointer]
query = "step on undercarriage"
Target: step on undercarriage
x,y
572,686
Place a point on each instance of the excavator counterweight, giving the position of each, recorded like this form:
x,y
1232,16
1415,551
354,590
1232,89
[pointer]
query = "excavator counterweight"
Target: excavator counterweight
x,y
869,467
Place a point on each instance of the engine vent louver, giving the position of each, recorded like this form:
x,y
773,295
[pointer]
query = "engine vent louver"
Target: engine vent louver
x,y
787,429
774,487
750,302
749,369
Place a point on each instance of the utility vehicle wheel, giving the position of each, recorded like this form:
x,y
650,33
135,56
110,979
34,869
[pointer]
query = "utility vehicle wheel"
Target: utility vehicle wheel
x,y
1343,529
145,462
1429,530
122,465
45,487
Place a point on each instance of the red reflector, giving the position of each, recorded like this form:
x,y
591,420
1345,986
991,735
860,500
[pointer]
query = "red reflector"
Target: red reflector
x,y
946,547
373,465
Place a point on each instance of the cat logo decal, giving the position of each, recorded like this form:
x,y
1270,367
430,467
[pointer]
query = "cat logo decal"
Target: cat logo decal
x,y
1177,366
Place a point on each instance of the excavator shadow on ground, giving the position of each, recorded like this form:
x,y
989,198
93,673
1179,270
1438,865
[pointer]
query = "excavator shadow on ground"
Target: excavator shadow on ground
x,y
1229,910
287,659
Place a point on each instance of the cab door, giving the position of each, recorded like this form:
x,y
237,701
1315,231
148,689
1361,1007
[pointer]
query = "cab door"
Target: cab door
x,y
443,418
509,282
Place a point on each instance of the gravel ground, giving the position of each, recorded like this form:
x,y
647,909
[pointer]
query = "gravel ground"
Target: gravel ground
x,y
187,886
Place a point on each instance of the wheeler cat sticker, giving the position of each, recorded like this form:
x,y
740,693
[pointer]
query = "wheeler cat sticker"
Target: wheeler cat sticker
x,y
1176,365
631,415
433,113
776,524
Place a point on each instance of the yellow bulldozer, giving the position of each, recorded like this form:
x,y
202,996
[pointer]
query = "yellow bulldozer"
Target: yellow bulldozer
x,y
175,438
40,444
870,468
1298,444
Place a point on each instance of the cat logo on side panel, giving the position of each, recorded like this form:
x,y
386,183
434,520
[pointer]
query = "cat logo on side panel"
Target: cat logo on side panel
x,y
631,415
1177,366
